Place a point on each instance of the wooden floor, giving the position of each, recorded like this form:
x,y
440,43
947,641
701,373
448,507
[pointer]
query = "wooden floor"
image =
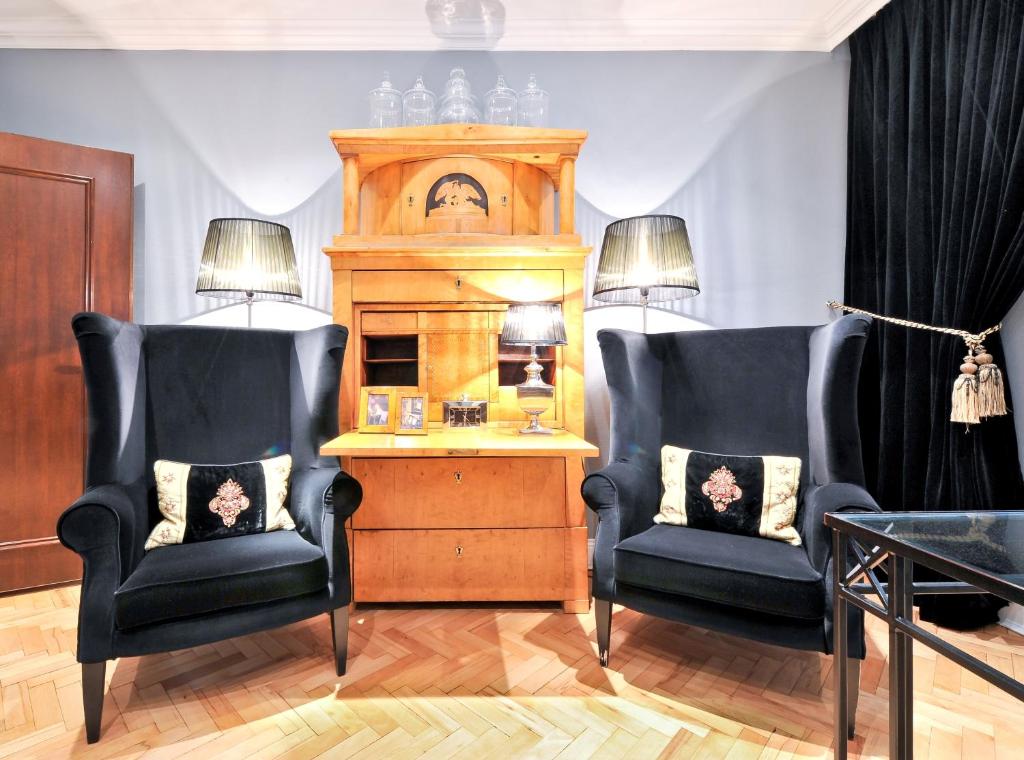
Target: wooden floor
x,y
481,683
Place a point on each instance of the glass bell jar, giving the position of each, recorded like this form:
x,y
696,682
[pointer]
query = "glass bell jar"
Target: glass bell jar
x,y
500,104
533,105
385,105
458,106
418,105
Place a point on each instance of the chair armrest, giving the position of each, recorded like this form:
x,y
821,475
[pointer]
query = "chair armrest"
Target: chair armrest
x,y
625,497
102,516
834,497
627,488
100,527
318,491
322,499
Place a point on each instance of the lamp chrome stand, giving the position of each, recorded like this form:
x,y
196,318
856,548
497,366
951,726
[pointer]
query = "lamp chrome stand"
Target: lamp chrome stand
x,y
644,292
248,306
535,396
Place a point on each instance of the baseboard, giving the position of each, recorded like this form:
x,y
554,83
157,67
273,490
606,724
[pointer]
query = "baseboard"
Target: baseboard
x,y
590,553
1012,616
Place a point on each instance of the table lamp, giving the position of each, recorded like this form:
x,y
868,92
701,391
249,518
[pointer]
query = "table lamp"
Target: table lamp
x,y
534,324
248,256
646,259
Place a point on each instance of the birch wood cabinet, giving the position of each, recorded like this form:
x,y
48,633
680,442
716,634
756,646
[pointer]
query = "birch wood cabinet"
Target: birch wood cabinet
x,y
443,227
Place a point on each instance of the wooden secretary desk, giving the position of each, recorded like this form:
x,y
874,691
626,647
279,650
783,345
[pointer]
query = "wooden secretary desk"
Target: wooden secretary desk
x,y
444,227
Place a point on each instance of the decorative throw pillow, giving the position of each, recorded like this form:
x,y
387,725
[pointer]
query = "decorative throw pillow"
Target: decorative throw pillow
x,y
751,496
201,502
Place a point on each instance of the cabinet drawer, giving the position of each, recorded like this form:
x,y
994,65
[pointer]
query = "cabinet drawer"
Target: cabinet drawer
x,y
388,321
449,285
458,565
460,492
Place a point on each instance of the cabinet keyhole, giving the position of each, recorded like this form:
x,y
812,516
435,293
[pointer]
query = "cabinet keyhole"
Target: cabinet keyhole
x,y
458,551
412,200
458,283
458,477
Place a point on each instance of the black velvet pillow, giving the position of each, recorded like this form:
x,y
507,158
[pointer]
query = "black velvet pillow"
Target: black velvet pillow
x,y
208,501
750,496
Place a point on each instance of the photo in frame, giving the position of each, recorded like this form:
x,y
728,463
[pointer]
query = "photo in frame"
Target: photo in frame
x,y
412,413
378,409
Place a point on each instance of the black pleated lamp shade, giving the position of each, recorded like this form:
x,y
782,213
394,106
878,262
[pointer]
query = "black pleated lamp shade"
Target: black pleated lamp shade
x,y
646,253
248,256
534,324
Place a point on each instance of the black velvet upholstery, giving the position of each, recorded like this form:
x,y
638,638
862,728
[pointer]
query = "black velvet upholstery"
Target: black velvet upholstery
x,y
783,391
740,571
214,396
193,579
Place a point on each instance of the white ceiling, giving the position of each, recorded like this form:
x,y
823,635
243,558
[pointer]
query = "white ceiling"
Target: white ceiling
x,y
403,25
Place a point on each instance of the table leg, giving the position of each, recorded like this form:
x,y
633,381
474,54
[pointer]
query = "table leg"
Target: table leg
x,y
840,645
901,660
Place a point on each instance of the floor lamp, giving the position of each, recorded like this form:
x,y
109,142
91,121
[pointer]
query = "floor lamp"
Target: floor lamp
x,y
646,259
248,256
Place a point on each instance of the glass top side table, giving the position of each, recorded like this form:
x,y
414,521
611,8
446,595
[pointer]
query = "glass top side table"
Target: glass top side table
x,y
980,551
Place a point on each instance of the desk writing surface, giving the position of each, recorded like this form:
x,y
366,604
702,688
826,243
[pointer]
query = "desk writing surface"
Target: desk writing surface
x,y
506,442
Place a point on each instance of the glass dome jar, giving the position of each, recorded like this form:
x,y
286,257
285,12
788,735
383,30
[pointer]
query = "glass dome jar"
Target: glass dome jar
x,y
385,105
533,105
500,104
418,109
458,106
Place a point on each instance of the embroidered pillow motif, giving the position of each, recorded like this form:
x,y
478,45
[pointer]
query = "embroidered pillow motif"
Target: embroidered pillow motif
x,y
201,502
751,496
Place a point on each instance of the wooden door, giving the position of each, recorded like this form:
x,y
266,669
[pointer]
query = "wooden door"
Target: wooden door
x,y
456,363
66,241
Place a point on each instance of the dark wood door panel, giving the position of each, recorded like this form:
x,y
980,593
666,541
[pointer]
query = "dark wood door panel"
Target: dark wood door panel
x,y
65,246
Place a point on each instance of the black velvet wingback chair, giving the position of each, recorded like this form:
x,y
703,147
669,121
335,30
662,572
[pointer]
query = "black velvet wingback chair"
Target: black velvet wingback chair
x,y
204,395
780,390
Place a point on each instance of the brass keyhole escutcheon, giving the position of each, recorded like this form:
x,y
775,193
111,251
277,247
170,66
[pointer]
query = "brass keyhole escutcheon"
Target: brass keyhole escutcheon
x,y
504,200
458,283
412,200
458,477
458,550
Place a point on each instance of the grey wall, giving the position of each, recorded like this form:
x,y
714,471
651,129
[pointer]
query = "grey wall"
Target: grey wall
x,y
748,147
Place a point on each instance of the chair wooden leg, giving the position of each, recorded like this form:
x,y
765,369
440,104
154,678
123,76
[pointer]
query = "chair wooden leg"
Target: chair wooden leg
x,y
852,693
339,633
93,682
603,613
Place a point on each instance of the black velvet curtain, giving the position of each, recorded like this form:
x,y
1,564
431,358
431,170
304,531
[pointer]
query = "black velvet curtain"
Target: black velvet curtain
x,y
935,233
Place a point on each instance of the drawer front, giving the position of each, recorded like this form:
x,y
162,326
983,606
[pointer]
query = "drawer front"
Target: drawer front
x,y
460,492
459,565
449,285
388,321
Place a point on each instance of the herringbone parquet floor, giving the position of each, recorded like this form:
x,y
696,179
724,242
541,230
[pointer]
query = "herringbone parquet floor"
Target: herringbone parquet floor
x,y
481,683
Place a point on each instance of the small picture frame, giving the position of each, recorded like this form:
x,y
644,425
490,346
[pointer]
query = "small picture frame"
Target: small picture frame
x,y
377,409
412,413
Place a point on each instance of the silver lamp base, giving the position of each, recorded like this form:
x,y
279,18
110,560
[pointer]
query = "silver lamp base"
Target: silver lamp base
x,y
535,397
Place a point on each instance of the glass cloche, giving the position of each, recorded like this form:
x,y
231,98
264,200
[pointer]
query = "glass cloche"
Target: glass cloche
x,y
458,106
533,105
500,104
418,105
385,105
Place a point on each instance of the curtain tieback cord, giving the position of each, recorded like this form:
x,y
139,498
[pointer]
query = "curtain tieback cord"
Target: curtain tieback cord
x,y
978,392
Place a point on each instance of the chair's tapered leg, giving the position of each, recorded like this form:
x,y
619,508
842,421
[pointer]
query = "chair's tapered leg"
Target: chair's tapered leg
x,y
339,633
93,681
603,613
852,693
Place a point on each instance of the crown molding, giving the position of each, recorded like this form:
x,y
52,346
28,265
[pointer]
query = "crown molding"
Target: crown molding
x,y
413,34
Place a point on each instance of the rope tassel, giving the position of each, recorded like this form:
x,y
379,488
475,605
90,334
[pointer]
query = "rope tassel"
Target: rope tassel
x,y
991,396
966,405
978,392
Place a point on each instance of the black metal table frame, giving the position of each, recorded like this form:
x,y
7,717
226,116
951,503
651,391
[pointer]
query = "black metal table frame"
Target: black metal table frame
x,y
895,605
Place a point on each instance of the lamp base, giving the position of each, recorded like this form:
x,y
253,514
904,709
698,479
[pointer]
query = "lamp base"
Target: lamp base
x,y
535,396
535,428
